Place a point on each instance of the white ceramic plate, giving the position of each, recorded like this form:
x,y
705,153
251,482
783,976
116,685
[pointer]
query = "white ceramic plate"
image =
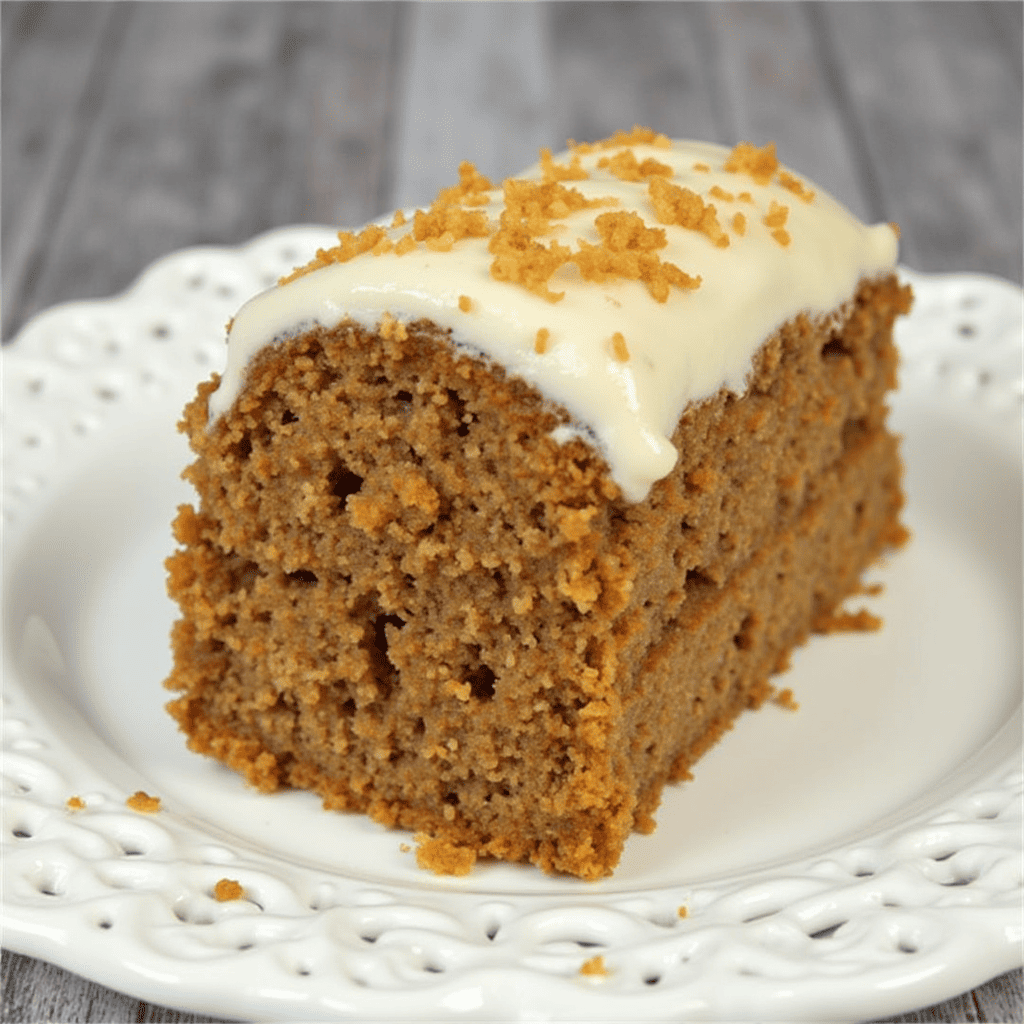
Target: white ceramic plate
x,y
854,859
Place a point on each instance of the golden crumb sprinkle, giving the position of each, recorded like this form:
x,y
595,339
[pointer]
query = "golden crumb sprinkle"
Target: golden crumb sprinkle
x,y
719,193
739,224
627,250
785,699
75,803
534,205
760,164
621,232
349,246
674,204
702,168
796,186
594,968
776,215
143,803
398,220
519,257
639,136
775,218
405,244
469,188
619,348
465,303
745,197
443,857
551,171
449,223
625,166
540,343
683,912
228,889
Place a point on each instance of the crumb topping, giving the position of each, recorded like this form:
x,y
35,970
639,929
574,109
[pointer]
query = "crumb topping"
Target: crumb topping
x,y
619,349
75,803
465,303
674,204
143,802
540,343
522,256
625,166
760,164
638,136
627,250
775,218
552,171
228,889
796,186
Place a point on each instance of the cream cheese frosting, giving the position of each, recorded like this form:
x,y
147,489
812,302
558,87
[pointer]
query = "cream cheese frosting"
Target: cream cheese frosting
x,y
624,357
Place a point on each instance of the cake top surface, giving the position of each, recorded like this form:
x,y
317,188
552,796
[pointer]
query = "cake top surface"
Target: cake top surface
x,y
625,279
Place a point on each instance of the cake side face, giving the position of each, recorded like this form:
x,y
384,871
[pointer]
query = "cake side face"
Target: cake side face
x,y
412,584
400,592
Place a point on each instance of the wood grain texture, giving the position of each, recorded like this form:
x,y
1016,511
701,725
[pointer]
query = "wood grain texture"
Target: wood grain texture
x,y
130,130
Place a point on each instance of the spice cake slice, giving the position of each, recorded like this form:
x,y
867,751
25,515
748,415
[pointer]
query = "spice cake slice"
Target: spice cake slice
x,y
505,512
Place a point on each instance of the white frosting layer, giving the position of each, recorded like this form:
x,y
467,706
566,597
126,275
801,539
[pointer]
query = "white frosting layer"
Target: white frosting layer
x,y
681,350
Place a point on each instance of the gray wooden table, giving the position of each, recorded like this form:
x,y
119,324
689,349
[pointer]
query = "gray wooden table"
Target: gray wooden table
x,y
131,130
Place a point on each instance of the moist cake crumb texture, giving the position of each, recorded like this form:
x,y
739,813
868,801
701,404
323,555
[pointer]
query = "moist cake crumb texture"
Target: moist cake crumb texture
x,y
413,584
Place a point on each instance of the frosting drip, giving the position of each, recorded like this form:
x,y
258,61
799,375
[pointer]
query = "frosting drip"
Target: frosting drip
x,y
623,355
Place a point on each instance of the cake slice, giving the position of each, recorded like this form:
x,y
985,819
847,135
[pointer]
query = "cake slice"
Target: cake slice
x,y
508,509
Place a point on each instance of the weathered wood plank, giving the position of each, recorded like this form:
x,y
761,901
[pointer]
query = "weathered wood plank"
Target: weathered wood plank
x,y
1002,999
474,86
277,116
36,991
780,89
45,117
623,64
937,102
